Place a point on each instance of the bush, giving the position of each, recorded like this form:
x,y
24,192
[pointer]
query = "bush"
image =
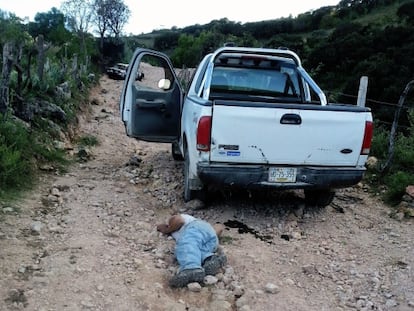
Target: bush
x,y
16,165
22,150
401,171
380,141
396,184
88,140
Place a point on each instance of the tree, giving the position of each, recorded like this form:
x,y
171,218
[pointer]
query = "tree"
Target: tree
x,y
51,25
101,9
13,38
406,11
118,15
78,18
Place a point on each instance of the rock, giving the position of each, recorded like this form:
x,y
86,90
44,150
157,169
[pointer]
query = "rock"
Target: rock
x,y
17,296
309,269
194,287
56,229
210,280
372,162
87,304
296,235
242,301
134,161
63,90
221,305
22,269
194,205
84,154
175,306
55,192
271,288
36,227
391,303
238,291
410,191
8,210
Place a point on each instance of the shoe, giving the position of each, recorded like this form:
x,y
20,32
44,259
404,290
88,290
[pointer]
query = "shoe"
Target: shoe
x,y
185,277
213,264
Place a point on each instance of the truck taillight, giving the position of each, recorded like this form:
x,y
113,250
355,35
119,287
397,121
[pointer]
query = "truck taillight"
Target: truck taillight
x,y
203,133
366,144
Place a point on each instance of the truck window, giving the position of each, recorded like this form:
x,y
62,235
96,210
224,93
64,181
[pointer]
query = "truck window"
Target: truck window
x,y
252,81
151,70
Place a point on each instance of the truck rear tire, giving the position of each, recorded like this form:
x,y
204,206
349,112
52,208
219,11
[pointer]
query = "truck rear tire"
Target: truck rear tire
x,y
191,194
319,197
176,153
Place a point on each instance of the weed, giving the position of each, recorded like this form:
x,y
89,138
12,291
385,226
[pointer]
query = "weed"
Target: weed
x,y
88,140
16,165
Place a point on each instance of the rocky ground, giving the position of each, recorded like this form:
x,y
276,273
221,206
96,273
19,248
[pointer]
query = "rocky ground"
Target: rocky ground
x,y
86,239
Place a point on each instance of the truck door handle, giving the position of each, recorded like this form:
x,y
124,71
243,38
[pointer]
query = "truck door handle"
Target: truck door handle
x,y
152,104
291,118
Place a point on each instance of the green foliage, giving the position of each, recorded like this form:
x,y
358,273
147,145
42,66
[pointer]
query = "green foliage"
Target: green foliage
x,y
51,25
406,11
401,172
187,53
88,140
16,165
396,183
380,141
22,150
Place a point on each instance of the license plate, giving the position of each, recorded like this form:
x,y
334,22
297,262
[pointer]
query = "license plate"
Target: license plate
x,y
282,174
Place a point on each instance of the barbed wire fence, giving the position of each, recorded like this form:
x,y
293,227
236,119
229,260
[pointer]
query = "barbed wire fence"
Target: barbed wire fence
x,y
402,104
375,103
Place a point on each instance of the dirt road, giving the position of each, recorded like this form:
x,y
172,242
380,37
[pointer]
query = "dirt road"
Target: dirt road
x,y
86,240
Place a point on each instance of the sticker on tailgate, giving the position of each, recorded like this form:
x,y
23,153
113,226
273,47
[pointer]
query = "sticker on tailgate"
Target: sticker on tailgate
x,y
229,147
233,153
229,150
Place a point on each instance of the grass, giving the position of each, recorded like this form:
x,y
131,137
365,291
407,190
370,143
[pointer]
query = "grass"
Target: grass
x,y
88,141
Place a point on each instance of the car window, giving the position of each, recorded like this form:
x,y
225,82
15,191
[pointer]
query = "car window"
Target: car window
x,y
280,81
151,70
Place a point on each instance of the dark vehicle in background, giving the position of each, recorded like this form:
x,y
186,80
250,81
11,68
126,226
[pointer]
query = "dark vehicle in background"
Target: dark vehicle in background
x,y
118,71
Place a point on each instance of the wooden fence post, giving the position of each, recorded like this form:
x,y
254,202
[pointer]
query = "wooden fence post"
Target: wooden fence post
x,y
362,92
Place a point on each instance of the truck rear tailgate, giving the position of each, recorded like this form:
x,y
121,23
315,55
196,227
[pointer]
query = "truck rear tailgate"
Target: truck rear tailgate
x,y
282,135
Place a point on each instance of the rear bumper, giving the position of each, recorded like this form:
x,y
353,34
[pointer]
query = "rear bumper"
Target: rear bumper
x,y
253,176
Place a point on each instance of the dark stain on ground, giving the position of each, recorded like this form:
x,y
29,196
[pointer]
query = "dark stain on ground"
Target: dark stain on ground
x,y
243,228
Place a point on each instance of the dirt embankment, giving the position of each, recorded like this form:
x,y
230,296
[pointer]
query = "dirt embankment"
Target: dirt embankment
x,y
86,240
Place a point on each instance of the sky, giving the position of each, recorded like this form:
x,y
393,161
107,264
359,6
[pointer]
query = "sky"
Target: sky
x,y
152,15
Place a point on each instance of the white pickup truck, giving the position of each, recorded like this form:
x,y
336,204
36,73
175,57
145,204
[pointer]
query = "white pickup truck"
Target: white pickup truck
x,y
250,117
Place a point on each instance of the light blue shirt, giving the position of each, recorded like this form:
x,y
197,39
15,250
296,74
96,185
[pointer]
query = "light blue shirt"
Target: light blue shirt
x,y
187,219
